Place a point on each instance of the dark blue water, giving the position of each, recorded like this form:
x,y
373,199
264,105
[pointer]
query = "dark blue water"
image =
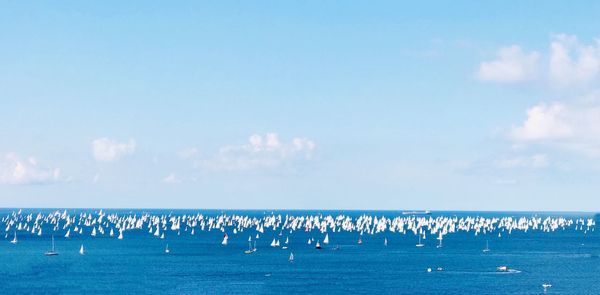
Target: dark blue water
x,y
200,265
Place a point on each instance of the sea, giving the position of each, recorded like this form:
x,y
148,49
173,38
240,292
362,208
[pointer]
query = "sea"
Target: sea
x,y
199,264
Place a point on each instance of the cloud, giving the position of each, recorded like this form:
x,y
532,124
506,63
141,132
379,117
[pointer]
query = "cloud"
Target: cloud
x,y
14,170
535,161
260,152
109,150
172,179
568,63
572,127
572,62
513,65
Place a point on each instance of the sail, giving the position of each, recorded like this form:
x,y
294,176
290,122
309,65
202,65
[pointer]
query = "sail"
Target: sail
x,y
68,234
326,239
224,242
81,250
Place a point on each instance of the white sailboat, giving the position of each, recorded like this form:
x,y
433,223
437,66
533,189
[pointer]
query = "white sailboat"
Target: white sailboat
x,y
14,240
385,242
487,246
93,232
81,250
440,238
120,235
326,239
318,246
112,233
285,244
51,252
291,259
419,245
274,243
68,234
250,249
225,239
167,249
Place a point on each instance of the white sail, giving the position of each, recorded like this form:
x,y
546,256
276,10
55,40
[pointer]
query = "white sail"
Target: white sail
x,y
112,233
14,240
291,259
68,234
225,238
81,250
273,243
94,232
326,239
120,235
167,249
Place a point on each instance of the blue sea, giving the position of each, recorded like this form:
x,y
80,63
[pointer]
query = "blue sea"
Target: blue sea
x,y
199,264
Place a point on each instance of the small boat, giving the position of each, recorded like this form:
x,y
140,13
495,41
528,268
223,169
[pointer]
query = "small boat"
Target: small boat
x,y
419,245
250,249
502,268
14,240
51,252
167,249
120,235
318,246
487,247
546,286
326,239
359,241
68,234
385,242
225,240
81,250
291,259
287,241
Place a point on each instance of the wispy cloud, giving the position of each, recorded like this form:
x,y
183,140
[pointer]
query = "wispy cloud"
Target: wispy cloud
x,y
260,152
512,65
109,150
15,170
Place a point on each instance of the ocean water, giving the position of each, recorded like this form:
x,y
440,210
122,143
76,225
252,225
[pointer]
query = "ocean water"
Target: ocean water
x,y
199,264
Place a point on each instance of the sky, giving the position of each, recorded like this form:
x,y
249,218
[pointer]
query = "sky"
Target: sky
x,y
450,105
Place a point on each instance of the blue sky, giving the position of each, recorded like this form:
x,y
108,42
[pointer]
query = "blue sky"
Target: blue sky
x,y
300,104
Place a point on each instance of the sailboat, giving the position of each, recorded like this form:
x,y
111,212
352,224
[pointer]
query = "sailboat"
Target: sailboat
x,y
81,250
487,246
326,239
440,238
14,240
285,246
250,249
112,233
225,239
419,245
120,235
318,246
51,252
359,240
274,243
291,259
167,249
68,234
94,232
385,242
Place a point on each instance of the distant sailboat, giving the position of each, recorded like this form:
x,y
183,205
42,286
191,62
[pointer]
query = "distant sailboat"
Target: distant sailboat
x,y
120,235
385,242
318,246
487,246
250,249
326,239
419,245
167,249
51,252
287,241
225,239
440,238
14,240
81,250
291,259
359,241
112,233
68,234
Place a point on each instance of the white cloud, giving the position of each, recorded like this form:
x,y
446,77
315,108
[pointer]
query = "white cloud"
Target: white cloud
x,y
172,179
108,150
535,161
14,170
573,62
567,126
260,152
513,65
